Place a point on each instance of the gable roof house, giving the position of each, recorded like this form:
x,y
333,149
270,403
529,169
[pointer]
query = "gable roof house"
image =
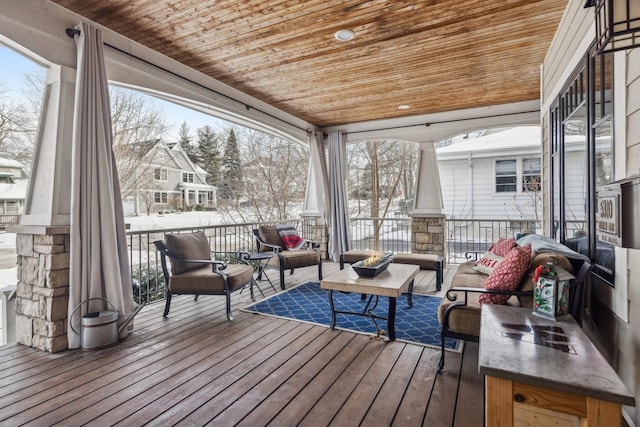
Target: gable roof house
x,y
167,180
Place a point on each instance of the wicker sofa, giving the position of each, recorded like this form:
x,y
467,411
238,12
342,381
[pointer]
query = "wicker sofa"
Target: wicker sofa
x,y
459,311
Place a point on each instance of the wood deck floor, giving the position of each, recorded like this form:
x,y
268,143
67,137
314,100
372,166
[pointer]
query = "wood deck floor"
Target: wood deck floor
x,y
196,368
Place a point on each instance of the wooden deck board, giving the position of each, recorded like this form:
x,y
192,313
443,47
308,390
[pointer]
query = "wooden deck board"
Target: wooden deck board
x,y
197,368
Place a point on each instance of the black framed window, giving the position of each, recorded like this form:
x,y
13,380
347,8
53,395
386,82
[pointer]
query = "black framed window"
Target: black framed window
x,y
581,159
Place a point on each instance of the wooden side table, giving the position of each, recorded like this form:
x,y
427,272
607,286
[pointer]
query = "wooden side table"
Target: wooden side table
x,y
544,372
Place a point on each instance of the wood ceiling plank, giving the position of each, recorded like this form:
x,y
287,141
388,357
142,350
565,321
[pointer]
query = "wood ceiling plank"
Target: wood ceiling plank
x,y
431,54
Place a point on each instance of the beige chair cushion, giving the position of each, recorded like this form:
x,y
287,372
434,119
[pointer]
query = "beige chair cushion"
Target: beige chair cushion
x,y
468,276
204,281
295,259
188,246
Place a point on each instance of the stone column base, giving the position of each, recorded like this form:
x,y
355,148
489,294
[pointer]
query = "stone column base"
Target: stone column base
x,y
427,235
42,295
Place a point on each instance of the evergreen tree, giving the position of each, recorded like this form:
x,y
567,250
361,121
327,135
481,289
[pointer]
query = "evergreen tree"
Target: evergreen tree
x,y
209,154
232,179
186,142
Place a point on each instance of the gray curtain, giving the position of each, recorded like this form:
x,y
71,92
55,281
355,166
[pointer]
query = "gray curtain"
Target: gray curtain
x,y
99,267
339,232
318,183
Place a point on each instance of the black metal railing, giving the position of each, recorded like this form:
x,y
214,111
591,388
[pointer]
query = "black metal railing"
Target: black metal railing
x,y
381,234
146,272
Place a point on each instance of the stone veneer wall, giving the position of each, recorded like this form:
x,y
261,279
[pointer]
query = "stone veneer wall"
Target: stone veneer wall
x,y
314,229
42,291
427,235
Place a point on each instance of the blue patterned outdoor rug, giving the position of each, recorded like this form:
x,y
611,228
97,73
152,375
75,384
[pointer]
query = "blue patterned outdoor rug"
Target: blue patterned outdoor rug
x,y
308,303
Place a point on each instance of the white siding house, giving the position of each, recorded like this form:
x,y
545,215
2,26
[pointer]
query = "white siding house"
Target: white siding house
x,y
497,175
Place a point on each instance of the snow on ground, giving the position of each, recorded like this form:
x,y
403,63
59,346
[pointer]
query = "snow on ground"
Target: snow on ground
x,y
8,269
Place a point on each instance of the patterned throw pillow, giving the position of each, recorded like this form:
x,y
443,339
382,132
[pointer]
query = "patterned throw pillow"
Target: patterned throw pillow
x,y
488,263
507,275
503,246
290,237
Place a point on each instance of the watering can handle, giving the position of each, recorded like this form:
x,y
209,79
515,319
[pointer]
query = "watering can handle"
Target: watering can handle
x,y
78,306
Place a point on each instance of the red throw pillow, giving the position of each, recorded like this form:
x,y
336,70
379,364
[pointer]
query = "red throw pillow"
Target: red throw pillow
x,y
507,275
503,246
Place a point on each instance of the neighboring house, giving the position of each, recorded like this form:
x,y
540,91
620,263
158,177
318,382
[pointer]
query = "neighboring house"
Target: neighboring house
x,y
13,186
497,175
170,182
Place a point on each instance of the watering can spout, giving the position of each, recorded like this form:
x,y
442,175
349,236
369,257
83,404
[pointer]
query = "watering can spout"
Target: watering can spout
x,y
130,318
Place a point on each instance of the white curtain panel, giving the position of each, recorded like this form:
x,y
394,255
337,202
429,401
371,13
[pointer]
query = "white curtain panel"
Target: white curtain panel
x,y
317,195
99,267
339,232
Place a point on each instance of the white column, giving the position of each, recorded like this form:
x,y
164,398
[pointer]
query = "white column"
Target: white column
x,y
428,193
48,198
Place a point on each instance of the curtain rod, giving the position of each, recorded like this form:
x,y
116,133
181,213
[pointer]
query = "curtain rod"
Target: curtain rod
x,y
73,32
441,122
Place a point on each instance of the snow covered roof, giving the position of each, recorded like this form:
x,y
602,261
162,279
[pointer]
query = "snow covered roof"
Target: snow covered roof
x,y
15,191
516,140
9,163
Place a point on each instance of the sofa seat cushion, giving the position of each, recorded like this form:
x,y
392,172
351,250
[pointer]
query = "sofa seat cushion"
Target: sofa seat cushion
x,y
468,276
204,281
466,319
295,259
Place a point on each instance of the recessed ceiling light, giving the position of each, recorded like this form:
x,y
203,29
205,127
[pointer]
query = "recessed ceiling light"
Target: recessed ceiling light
x,y
344,35
403,107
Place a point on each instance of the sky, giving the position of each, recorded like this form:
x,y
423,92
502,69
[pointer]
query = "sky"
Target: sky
x,y
14,66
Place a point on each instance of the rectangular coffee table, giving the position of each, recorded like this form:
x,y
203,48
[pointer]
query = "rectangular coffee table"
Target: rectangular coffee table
x,y
391,283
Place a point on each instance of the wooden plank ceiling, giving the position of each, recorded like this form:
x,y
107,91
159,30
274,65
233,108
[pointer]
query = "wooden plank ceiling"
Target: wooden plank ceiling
x,y
433,55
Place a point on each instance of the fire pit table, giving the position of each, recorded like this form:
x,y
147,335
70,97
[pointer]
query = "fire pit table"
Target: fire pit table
x,y
390,283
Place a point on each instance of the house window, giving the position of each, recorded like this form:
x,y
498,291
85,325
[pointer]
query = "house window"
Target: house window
x,y
506,176
581,160
531,174
160,155
161,197
160,174
187,177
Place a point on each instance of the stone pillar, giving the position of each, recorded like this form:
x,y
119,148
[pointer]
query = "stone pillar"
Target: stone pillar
x,y
427,235
42,237
42,295
428,219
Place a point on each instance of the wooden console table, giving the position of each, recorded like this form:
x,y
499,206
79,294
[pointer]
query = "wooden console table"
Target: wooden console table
x,y
545,372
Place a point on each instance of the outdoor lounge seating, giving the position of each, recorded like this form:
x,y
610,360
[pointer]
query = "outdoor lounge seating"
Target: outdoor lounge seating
x,y
194,272
268,239
459,311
